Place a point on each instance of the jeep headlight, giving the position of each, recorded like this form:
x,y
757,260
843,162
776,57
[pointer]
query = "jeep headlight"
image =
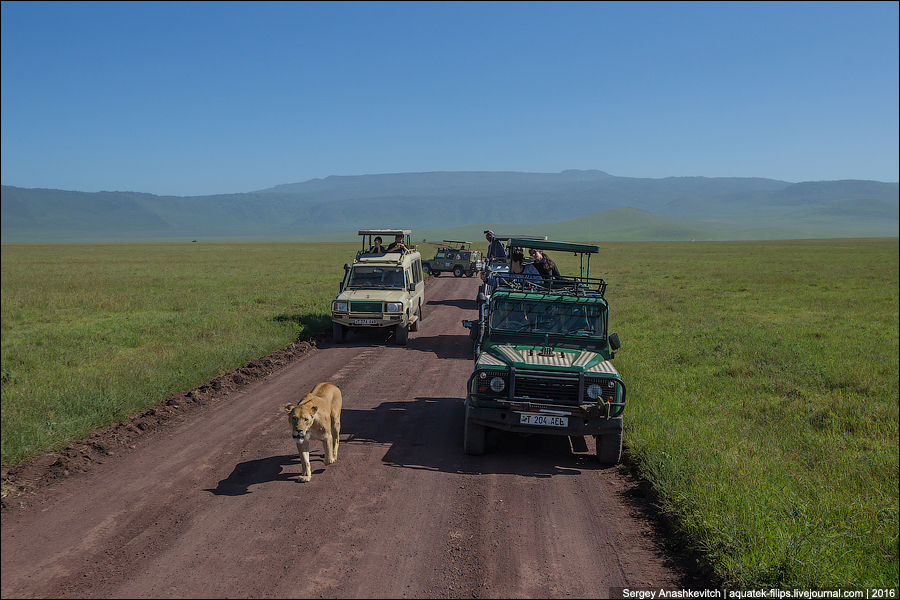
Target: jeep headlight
x,y
492,382
394,307
594,391
339,306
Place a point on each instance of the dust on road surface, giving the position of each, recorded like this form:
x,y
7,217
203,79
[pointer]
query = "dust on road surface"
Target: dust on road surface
x,y
199,497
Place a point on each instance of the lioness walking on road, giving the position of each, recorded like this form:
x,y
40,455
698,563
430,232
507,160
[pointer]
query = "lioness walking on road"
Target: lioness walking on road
x,y
316,417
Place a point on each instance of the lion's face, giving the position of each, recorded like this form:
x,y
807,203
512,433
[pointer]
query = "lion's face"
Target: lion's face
x,y
301,419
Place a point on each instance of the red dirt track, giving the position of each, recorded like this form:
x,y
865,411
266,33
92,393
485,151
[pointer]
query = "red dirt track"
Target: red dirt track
x,y
199,497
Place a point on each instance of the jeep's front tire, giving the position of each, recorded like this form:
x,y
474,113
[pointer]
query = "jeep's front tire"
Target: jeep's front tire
x,y
338,332
457,271
415,324
474,436
401,334
609,447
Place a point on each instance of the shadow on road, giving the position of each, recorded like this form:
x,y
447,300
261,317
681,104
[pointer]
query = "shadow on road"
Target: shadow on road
x,y
254,472
462,303
428,433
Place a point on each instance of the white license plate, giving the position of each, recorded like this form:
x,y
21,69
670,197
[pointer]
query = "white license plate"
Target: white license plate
x,y
365,322
543,420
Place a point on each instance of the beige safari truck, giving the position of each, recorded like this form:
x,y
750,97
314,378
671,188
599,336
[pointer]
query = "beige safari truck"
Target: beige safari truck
x,y
380,290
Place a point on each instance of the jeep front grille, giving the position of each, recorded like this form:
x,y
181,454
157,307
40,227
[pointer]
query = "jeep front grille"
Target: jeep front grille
x,y
365,307
555,388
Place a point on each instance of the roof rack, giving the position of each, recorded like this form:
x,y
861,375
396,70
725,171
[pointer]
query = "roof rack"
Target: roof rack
x,y
382,232
543,244
535,238
567,286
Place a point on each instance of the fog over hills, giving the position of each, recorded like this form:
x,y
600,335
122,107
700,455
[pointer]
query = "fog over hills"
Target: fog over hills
x,y
574,205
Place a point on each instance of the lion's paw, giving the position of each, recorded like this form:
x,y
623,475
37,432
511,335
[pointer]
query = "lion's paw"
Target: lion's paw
x,y
304,478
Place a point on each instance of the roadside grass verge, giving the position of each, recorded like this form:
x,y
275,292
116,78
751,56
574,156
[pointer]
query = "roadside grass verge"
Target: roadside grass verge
x,y
92,334
762,376
763,402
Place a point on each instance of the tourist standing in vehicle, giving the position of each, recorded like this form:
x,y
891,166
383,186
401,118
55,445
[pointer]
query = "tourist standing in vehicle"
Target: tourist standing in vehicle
x,y
495,247
377,248
544,264
397,245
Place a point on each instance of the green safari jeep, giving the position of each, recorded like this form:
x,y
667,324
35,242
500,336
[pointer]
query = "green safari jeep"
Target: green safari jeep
x,y
543,359
457,258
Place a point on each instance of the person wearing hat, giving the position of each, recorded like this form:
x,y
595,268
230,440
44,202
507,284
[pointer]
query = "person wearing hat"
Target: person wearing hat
x,y
495,249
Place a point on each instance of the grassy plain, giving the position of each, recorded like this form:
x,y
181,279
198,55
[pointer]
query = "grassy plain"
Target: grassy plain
x,y
762,376
95,333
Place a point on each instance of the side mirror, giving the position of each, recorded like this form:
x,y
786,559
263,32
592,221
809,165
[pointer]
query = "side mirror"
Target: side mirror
x,y
614,343
346,267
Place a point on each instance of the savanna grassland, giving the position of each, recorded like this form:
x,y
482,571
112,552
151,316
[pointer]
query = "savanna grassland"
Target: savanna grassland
x,y
762,376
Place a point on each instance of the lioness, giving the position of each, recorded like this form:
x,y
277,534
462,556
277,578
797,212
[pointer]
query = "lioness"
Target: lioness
x,y
317,417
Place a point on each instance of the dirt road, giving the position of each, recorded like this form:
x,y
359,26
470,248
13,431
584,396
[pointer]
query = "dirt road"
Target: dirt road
x,y
209,505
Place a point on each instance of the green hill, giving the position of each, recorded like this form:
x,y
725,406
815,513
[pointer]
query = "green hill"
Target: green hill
x,y
597,205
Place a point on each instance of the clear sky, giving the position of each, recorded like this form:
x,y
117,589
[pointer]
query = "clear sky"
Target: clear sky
x,y
203,98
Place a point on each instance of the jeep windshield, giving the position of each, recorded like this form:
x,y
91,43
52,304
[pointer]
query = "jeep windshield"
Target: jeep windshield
x,y
362,276
570,319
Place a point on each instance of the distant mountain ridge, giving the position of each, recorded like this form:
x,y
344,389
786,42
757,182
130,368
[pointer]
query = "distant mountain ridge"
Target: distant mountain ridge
x,y
739,207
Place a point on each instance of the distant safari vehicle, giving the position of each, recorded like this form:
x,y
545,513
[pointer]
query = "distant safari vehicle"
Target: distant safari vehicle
x,y
456,257
380,290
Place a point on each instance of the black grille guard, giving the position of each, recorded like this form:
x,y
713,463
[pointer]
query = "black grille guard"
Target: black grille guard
x,y
523,403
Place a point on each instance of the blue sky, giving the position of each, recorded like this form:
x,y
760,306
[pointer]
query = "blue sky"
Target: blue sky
x,y
205,98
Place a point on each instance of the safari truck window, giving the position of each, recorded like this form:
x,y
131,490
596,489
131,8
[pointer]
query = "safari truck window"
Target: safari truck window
x,y
375,277
562,319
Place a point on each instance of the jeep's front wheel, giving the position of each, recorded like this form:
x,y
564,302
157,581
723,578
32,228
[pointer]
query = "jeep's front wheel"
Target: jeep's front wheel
x,y
457,271
414,326
474,436
401,334
609,447
338,332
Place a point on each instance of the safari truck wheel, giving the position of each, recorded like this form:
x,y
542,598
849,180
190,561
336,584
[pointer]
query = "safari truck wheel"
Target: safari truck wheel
x,y
414,326
401,334
470,273
338,332
609,447
457,271
473,436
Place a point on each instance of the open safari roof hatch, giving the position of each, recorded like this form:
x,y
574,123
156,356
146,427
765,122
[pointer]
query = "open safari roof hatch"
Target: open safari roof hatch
x,y
387,238
582,250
